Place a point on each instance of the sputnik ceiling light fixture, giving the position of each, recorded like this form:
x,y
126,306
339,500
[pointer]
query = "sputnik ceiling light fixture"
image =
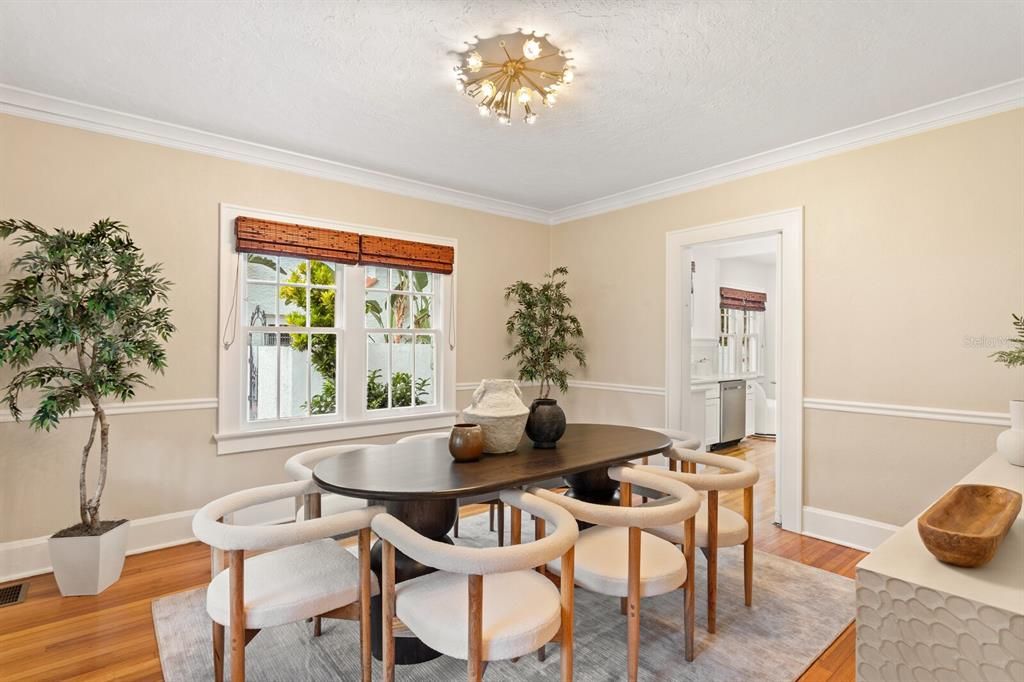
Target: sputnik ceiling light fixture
x,y
521,67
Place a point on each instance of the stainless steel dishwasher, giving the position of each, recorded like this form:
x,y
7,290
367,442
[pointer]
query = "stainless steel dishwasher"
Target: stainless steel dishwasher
x,y
732,417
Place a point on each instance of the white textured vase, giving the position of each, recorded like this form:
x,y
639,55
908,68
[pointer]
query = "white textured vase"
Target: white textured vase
x,y
1010,443
499,410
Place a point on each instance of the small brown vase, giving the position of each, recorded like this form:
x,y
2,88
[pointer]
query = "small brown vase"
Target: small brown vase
x,y
466,444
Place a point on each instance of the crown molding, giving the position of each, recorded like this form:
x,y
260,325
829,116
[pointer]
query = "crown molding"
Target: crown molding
x,y
38,106
972,105
28,104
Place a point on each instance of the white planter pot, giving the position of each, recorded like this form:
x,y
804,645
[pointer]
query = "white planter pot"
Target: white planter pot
x,y
88,564
1010,443
499,410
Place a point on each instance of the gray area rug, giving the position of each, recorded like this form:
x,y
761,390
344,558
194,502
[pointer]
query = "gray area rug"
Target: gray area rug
x,y
797,612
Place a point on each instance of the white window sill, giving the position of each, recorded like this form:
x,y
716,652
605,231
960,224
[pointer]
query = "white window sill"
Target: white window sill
x,y
317,434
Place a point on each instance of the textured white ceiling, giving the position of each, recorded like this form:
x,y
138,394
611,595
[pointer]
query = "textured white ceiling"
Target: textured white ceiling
x,y
664,87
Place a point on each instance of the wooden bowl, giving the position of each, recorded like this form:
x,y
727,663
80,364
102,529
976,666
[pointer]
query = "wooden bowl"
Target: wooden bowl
x,y
966,525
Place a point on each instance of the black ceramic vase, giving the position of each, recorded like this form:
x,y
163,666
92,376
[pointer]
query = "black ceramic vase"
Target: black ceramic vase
x,y
546,423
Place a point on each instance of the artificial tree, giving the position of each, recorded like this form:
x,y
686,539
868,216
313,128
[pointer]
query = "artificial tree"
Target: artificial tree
x,y
84,312
1015,356
546,331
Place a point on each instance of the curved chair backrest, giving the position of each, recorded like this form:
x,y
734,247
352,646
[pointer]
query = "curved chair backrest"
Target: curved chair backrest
x,y
740,473
208,526
426,436
681,439
486,560
300,467
685,505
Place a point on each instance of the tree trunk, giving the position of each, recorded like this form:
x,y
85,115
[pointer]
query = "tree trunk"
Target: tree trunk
x,y
83,506
101,480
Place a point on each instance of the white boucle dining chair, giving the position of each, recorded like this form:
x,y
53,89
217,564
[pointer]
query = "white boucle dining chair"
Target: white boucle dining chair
x,y
313,505
302,572
614,557
482,604
716,526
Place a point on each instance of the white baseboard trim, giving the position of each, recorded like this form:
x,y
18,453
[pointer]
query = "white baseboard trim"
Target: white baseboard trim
x,y
910,411
25,558
844,529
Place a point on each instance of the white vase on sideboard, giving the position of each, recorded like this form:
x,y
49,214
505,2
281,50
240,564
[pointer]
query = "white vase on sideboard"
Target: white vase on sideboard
x,y
1010,443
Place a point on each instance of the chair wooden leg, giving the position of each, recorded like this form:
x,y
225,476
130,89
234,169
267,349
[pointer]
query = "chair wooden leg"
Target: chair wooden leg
x,y
366,664
712,559
633,590
317,626
748,546
236,579
517,526
476,625
690,607
490,515
567,590
501,523
455,531
625,500
387,610
643,498
539,531
218,652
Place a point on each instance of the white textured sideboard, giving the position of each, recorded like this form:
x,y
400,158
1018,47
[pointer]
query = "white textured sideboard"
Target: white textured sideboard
x,y
920,619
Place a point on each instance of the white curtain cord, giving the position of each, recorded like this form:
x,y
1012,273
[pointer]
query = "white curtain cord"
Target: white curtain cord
x,y
231,324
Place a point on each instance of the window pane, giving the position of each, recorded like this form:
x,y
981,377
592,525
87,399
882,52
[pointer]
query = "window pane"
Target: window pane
x,y
292,307
400,313
423,384
422,282
261,396
376,277
292,270
261,268
401,370
260,305
321,307
400,280
294,375
422,317
377,348
324,399
323,273
376,310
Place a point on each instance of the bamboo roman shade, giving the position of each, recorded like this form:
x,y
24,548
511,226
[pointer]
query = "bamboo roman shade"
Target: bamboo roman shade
x,y
253,235
738,299
405,254
287,239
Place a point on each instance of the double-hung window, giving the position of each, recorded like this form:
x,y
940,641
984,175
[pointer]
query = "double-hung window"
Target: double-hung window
x,y
315,351
739,341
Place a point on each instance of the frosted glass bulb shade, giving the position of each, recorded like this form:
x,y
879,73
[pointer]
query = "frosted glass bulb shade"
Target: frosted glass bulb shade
x,y
531,49
568,76
487,89
524,95
474,61
483,110
504,120
550,99
460,86
530,118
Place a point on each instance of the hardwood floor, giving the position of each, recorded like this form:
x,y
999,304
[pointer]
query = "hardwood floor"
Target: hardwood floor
x,y
110,636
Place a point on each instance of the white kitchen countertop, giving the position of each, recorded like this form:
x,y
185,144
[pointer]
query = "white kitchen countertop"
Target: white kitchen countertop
x,y
999,583
715,378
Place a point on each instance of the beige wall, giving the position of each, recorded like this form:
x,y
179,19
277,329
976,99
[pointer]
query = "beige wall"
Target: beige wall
x,y
163,463
909,247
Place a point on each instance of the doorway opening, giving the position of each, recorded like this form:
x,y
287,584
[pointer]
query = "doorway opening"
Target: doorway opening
x,y
735,348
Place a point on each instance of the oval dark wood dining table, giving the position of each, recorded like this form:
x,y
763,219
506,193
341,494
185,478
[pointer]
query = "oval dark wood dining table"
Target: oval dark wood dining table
x,y
420,483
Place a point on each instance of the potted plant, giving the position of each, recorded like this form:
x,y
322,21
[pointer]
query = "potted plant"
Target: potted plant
x,y
1010,443
84,313
546,334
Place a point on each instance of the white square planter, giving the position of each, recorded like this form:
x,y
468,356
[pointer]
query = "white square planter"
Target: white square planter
x,y
89,564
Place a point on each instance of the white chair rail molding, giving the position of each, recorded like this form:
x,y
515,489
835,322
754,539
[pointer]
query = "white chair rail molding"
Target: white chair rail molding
x,y
551,340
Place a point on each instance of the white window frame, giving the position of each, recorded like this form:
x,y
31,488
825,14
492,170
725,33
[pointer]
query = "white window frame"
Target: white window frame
x,y
236,434
737,345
